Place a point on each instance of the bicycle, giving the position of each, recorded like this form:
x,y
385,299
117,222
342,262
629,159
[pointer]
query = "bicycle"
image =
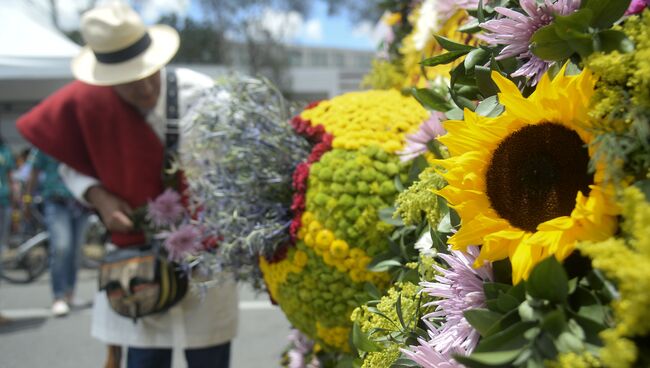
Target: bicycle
x,y
28,255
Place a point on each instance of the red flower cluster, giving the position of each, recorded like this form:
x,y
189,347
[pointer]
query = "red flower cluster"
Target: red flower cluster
x,y
322,143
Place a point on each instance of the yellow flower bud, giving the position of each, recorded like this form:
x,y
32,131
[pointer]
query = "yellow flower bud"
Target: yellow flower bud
x,y
339,249
324,238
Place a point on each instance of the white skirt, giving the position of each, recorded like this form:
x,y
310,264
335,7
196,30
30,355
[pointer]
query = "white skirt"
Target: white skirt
x,y
199,320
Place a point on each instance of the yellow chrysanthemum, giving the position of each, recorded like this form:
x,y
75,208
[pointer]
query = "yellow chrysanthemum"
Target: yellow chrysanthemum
x,y
520,181
368,118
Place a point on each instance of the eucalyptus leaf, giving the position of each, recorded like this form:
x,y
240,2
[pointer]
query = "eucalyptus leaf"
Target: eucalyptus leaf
x,y
386,215
490,107
384,265
475,56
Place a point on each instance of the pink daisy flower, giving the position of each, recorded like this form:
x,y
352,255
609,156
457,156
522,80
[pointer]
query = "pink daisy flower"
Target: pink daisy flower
x,y
166,209
457,289
185,241
516,29
416,144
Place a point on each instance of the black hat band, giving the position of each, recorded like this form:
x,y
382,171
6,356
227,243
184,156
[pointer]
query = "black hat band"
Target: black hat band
x,y
125,54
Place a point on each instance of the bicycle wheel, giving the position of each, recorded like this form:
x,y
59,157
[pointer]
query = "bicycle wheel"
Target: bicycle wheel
x,y
27,262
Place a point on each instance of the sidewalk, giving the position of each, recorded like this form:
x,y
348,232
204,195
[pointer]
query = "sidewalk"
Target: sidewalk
x,y
39,340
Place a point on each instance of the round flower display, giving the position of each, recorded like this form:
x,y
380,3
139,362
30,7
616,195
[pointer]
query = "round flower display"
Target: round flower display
x,y
338,192
520,181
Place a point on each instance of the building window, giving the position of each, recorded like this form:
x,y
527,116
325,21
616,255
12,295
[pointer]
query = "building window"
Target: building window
x,y
318,58
339,59
295,58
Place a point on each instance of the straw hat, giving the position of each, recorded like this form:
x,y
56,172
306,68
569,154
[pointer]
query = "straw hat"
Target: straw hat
x,y
119,48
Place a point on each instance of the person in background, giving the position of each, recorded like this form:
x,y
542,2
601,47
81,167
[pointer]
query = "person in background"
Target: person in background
x,y
7,198
66,221
108,128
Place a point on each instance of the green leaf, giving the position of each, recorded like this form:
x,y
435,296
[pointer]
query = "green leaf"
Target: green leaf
x,y
497,358
403,362
492,290
484,81
506,303
554,322
472,26
613,40
384,265
386,215
398,310
430,99
444,58
372,290
450,45
482,319
508,339
455,114
361,341
606,12
474,57
418,165
548,281
490,107
547,45
434,147
569,26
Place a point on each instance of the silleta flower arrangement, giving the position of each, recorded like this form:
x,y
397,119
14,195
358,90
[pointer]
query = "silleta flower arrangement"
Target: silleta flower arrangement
x,y
536,205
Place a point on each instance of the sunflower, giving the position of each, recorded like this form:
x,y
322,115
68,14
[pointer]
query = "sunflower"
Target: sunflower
x,y
520,181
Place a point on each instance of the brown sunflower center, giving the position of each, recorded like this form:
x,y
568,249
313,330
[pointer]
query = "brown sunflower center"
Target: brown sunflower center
x,y
536,173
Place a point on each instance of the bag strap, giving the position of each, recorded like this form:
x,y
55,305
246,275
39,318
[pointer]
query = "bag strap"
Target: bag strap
x,y
171,126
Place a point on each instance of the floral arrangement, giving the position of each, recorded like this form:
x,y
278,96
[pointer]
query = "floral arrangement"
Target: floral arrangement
x,y
535,200
339,191
236,153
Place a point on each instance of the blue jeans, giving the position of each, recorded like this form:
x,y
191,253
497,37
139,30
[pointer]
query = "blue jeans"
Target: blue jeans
x,y
66,223
5,225
211,357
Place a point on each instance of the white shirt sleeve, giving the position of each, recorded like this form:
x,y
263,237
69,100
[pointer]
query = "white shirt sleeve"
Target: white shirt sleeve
x,y
77,183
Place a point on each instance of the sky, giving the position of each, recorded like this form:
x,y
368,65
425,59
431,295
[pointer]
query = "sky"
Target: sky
x,y
319,29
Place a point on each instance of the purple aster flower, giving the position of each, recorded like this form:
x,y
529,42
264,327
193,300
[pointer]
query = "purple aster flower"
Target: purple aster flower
x,y
302,346
637,6
428,357
516,29
416,144
184,241
457,289
166,209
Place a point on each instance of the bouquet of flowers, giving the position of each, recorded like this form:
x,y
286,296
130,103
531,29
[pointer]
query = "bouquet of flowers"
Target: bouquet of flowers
x,y
541,187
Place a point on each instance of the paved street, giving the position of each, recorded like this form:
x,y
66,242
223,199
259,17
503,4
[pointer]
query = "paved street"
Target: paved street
x,y
38,340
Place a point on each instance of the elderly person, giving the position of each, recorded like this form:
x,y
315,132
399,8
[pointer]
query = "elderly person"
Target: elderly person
x,y
108,128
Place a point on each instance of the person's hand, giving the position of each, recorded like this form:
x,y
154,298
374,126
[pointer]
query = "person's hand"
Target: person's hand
x,y
113,211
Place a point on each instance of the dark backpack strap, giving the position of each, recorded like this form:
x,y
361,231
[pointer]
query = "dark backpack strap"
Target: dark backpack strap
x,y
171,128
